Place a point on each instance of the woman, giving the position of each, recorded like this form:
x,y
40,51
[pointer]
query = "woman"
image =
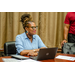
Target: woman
x,y
28,43
69,29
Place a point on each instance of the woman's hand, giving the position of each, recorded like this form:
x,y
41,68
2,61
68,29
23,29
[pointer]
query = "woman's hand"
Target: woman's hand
x,y
32,53
62,43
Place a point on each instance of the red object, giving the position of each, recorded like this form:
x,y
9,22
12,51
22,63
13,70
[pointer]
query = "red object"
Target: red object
x,y
70,19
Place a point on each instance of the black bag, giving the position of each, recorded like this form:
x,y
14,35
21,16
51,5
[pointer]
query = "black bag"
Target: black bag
x,y
69,48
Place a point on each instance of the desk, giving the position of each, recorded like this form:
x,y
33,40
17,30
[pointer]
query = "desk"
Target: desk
x,y
49,60
1,52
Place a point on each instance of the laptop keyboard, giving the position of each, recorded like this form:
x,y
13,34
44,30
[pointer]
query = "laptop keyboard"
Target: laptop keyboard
x,y
33,57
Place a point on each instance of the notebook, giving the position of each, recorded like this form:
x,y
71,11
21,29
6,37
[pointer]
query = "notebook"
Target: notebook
x,y
46,53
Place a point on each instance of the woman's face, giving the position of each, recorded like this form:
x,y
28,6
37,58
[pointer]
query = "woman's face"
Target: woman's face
x,y
31,28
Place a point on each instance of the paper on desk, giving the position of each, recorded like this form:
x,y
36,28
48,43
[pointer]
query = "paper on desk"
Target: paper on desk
x,y
29,60
10,60
16,60
65,57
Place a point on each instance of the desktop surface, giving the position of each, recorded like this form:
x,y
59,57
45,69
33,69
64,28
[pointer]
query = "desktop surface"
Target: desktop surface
x,y
49,60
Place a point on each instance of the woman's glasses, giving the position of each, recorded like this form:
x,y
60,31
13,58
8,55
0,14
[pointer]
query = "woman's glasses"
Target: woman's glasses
x,y
34,27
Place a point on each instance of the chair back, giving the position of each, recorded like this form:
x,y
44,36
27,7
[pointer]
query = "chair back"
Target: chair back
x,y
9,48
68,48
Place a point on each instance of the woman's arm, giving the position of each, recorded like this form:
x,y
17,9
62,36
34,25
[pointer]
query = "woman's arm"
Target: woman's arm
x,y
30,52
25,52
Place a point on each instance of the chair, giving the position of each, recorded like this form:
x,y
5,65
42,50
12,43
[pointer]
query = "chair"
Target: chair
x,y
68,48
9,48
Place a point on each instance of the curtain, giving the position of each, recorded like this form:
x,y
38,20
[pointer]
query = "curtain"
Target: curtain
x,y
50,26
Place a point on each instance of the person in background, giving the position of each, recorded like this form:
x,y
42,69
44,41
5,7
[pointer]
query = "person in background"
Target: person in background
x,y
69,29
28,43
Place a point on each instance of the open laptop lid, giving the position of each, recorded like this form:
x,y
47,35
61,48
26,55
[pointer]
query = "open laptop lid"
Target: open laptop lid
x,y
47,53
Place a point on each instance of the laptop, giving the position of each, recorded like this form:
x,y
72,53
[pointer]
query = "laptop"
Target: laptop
x,y
46,53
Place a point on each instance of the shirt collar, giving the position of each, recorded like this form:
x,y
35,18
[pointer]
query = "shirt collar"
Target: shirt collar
x,y
27,37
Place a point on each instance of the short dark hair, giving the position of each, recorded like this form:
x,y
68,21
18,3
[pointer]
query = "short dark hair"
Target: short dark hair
x,y
25,18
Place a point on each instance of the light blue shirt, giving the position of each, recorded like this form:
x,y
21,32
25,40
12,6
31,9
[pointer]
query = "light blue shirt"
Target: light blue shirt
x,y
23,43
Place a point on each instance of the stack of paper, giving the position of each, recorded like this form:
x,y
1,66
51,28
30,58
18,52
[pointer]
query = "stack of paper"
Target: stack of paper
x,y
29,60
10,60
16,60
66,57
